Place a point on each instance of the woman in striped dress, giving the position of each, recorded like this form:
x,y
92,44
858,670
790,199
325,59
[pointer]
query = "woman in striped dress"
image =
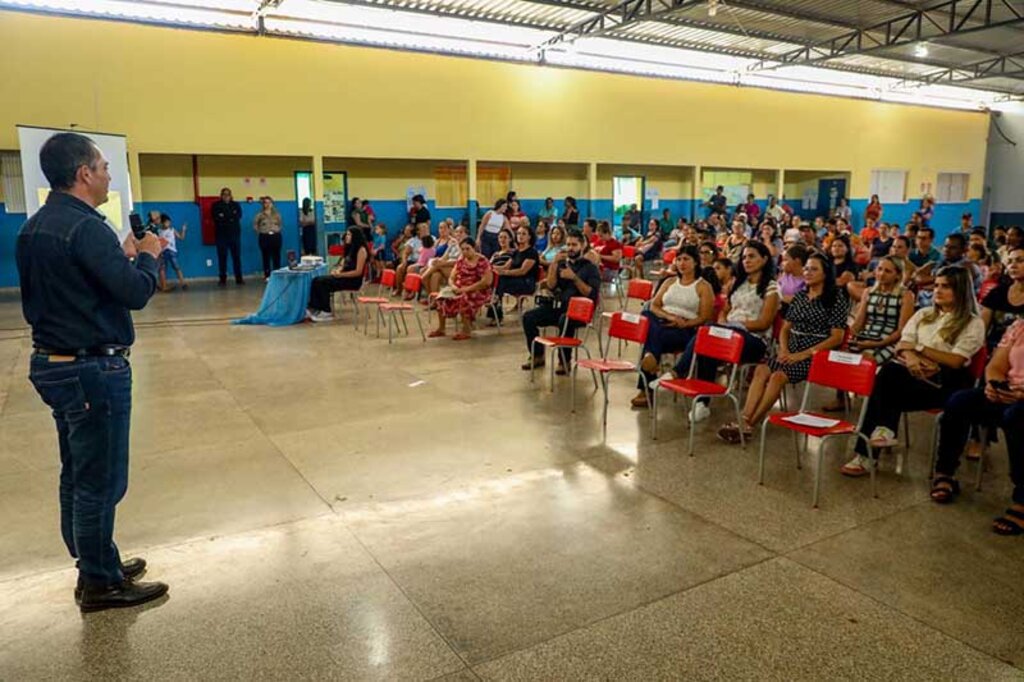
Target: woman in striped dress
x,y
882,313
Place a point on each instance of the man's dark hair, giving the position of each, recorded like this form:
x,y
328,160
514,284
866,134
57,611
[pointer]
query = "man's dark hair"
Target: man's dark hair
x,y
574,232
979,231
930,231
958,238
592,222
62,155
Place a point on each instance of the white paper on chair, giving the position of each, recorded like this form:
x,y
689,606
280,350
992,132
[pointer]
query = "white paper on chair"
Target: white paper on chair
x,y
810,420
720,332
844,358
632,318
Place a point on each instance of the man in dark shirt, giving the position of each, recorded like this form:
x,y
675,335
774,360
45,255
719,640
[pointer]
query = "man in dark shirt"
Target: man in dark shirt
x,y
569,275
717,201
419,214
77,288
227,223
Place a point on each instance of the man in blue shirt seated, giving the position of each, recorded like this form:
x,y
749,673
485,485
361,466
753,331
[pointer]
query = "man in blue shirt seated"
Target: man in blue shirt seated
x,y
569,275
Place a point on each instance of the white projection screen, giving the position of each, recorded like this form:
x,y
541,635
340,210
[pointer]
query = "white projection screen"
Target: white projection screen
x,y
114,147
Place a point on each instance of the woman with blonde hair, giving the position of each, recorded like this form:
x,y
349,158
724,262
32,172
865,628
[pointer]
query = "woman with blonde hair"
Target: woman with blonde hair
x,y
267,225
931,362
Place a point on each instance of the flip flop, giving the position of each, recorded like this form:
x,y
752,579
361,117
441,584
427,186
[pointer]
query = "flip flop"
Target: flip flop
x,y
436,334
462,337
1010,523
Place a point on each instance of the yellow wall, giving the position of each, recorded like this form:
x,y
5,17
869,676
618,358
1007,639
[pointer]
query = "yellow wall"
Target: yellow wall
x,y
225,93
167,177
671,182
386,178
541,180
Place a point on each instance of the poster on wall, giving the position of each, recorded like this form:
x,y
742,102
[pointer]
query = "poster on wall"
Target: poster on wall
x,y
335,197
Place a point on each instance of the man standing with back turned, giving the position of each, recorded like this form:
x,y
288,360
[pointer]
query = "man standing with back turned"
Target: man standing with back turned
x,y
77,288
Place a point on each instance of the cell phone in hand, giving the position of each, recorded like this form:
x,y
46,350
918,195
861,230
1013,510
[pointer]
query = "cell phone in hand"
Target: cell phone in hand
x,y
999,385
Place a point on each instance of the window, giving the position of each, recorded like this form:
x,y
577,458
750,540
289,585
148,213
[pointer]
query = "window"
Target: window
x,y
12,191
492,183
951,188
889,185
451,186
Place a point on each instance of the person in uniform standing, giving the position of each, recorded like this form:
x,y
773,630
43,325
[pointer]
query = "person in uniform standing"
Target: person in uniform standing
x,y
227,223
78,286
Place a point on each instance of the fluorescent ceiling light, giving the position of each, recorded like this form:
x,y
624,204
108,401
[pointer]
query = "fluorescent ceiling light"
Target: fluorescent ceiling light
x,y
383,27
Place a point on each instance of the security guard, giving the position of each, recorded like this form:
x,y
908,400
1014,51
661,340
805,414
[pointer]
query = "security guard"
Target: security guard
x,y
78,285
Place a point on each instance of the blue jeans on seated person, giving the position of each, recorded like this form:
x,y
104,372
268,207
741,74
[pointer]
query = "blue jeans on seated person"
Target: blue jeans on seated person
x,y
662,338
754,350
969,407
91,400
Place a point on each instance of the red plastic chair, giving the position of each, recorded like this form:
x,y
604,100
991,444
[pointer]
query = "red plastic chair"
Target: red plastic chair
x,y
638,290
722,344
627,327
580,309
847,372
387,283
667,259
395,311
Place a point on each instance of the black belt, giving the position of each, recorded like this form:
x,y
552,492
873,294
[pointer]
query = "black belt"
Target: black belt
x,y
101,351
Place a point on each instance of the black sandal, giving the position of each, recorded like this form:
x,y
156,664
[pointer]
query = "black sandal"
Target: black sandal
x,y
1006,525
944,494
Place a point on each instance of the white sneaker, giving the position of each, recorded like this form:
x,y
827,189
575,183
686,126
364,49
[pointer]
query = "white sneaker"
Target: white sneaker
x,y
858,466
322,316
700,412
667,376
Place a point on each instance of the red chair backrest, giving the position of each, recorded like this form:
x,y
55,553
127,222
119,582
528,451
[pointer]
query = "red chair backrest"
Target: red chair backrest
x,y
336,250
641,289
669,256
848,372
581,309
413,282
387,278
629,252
629,327
720,343
978,363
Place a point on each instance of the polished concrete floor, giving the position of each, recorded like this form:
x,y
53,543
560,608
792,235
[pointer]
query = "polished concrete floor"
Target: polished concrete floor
x,y
324,505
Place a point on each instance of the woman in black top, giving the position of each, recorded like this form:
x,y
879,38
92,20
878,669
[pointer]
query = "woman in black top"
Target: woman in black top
x,y
518,276
842,260
347,276
571,214
1005,304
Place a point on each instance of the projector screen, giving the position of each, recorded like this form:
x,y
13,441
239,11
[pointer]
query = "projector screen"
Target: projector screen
x,y
114,147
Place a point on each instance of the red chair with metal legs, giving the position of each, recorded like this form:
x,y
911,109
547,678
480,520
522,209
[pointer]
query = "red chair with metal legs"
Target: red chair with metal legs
x,y
624,326
387,283
581,310
639,290
722,344
396,311
847,372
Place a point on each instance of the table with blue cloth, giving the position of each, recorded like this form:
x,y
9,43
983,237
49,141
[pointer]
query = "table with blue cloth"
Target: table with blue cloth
x,y
285,298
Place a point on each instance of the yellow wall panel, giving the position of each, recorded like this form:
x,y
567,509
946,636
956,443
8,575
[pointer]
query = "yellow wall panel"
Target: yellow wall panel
x,y
251,176
166,177
215,100
556,180
672,182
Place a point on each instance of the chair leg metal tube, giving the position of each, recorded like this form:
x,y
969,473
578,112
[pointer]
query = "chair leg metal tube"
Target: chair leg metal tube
x,y
817,474
760,454
654,414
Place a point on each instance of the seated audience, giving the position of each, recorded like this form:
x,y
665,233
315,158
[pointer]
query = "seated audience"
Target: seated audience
x,y
503,254
556,243
469,289
683,303
518,275
815,320
548,214
770,238
409,255
733,244
999,404
648,247
609,249
931,363
750,308
570,275
842,260
439,269
791,278
347,276
1012,239
882,314
542,235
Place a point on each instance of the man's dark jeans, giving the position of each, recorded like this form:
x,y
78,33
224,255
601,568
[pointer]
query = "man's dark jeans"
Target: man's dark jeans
x,y
91,399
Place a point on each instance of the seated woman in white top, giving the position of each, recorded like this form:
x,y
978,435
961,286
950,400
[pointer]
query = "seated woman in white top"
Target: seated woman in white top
x,y
683,303
932,362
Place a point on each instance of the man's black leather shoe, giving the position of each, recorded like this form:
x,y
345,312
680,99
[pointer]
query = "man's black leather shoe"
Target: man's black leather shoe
x,y
122,596
131,569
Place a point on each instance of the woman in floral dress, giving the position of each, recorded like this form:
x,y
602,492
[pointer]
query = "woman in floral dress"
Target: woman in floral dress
x,y
468,290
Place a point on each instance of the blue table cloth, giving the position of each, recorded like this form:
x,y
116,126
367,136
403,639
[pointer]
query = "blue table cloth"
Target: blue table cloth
x,y
285,298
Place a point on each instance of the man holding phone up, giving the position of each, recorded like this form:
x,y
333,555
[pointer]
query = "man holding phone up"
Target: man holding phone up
x,y
78,285
569,275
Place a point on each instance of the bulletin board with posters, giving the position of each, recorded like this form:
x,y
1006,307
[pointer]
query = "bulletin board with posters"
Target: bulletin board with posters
x,y
335,197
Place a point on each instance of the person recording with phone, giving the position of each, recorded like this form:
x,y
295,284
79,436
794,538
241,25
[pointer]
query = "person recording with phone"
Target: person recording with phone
x,y
570,275
78,288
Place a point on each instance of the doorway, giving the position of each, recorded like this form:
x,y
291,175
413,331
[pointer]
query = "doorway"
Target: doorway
x,y
628,194
829,194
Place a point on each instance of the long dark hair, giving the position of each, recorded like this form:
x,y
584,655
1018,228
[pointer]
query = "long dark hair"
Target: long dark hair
x,y
848,262
767,272
358,242
691,251
829,290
